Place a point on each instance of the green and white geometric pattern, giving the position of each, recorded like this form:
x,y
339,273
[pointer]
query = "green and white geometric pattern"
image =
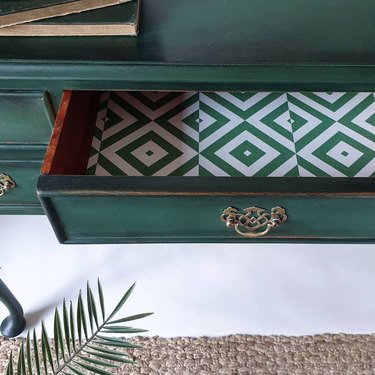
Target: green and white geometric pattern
x,y
234,134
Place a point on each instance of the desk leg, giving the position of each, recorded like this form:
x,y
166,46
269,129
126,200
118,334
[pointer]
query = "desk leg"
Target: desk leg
x,y
15,323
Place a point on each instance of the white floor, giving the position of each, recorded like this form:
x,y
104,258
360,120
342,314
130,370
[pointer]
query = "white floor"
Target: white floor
x,y
197,290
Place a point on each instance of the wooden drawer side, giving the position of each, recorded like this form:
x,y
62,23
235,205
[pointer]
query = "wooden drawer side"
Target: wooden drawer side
x,y
68,150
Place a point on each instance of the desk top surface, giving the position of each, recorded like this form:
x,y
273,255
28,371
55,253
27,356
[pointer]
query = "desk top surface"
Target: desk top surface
x,y
251,44
223,32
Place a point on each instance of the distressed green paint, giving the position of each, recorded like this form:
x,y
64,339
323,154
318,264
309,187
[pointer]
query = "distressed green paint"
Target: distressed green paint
x,y
26,117
206,45
195,219
25,174
224,32
236,45
25,127
121,210
17,153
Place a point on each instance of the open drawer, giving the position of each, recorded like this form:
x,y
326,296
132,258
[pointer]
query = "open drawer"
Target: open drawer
x,y
168,188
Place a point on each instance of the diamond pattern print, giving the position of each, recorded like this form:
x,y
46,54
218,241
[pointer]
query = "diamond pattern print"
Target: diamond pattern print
x,y
338,138
146,134
234,134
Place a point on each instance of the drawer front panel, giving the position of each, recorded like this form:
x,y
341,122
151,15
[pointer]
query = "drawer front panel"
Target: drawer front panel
x,y
196,218
26,117
25,175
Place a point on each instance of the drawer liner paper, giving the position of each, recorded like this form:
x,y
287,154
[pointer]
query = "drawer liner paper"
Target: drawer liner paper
x,y
259,134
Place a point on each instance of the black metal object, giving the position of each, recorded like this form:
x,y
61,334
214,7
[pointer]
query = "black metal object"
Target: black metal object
x,y
15,323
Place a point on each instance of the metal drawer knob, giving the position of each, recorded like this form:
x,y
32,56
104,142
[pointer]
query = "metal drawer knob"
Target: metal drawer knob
x,y
6,183
253,221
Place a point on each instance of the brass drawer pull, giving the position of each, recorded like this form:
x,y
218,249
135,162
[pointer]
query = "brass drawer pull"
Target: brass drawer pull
x,y
251,220
6,183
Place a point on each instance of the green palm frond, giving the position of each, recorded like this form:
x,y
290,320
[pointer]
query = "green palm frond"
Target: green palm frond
x,y
84,340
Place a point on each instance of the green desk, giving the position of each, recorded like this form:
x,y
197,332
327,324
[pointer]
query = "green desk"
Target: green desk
x,y
200,46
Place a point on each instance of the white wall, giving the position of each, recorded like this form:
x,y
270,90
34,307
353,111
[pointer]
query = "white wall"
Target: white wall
x,y
197,289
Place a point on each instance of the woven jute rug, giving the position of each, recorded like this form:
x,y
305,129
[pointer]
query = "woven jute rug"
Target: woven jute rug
x,y
242,354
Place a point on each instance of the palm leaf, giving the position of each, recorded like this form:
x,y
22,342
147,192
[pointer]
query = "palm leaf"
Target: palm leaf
x,y
10,370
101,299
90,307
114,358
21,366
76,371
93,369
72,327
29,355
106,350
59,344
95,353
66,327
122,301
46,349
93,315
36,353
130,318
96,361
81,318
120,329
115,342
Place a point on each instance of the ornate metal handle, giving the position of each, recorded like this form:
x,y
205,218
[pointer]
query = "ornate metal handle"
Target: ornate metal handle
x,y
6,183
251,220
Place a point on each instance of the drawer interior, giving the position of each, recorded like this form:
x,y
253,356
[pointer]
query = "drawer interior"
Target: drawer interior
x,y
252,134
